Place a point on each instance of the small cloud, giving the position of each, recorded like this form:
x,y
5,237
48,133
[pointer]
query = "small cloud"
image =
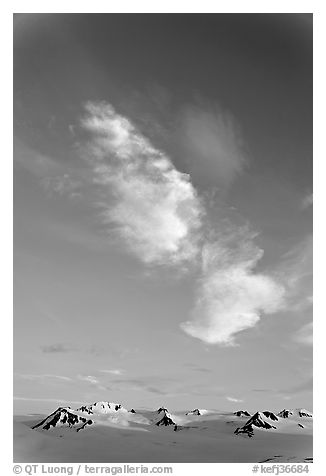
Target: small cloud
x,y
262,390
93,381
307,201
43,376
113,371
231,296
195,368
57,348
62,185
55,400
52,122
89,378
61,347
304,335
235,400
201,369
72,129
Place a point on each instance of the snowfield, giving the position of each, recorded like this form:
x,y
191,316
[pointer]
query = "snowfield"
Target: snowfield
x,y
106,432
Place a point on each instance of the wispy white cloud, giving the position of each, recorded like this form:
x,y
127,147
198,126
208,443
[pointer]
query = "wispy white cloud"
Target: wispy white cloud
x,y
231,296
235,400
55,400
34,162
155,209
296,272
149,203
89,378
51,174
304,335
213,144
62,185
157,212
307,201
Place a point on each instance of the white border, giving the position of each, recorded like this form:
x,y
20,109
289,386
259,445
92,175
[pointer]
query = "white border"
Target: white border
x,y
59,6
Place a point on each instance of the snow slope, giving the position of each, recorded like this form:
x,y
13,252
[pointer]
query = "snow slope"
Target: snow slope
x,y
122,436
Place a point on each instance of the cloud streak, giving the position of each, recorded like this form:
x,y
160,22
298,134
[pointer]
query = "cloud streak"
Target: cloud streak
x,y
150,204
43,376
304,335
57,348
307,201
112,371
91,380
235,400
296,272
62,185
54,400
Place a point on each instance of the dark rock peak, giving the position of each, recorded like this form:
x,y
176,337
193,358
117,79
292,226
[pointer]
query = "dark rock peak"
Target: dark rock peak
x,y
304,413
285,413
165,421
132,411
242,413
162,409
88,422
84,408
63,416
246,430
270,415
194,412
90,409
256,420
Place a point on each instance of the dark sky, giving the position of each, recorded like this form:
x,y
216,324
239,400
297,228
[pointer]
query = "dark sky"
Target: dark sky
x,y
228,99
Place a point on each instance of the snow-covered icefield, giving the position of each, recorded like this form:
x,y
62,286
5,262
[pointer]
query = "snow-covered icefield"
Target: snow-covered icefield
x,y
99,433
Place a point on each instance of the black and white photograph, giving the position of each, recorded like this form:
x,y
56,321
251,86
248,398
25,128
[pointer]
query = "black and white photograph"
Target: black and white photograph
x,y
163,238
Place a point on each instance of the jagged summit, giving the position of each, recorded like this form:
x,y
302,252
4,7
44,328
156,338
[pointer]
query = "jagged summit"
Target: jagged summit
x,y
79,418
85,409
257,420
166,420
103,413
304,413
64,416
242,413
301,412
270,415
101,407
285,413
194,412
